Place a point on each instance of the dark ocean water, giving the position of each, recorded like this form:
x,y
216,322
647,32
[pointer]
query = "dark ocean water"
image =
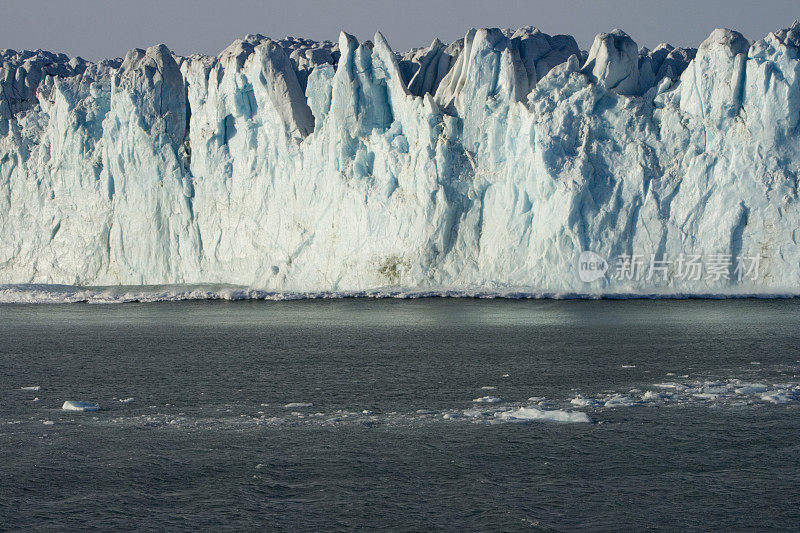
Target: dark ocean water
x,y
341,414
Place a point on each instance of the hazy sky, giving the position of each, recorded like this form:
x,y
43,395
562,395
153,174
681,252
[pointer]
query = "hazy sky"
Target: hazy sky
x,y
96,29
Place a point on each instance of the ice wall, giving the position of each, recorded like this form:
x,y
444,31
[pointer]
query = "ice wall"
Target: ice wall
x,y
490,163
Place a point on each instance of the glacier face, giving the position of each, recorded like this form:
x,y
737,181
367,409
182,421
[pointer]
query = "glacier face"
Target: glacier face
x,y
490,163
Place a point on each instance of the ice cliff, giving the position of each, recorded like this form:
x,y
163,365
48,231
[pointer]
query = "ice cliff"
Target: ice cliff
x,y
491,163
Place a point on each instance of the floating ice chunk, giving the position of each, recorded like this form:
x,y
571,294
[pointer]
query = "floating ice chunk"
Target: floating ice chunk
x,y
652,395
80,406
48,422
580,401
35,399
295,405
34,387
488,399
529,414
478,413
127,400
751,388
628,366
706,396
672,385
778,396
619,400
488,387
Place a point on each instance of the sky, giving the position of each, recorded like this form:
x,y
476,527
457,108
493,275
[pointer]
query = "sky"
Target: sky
x,y
96,29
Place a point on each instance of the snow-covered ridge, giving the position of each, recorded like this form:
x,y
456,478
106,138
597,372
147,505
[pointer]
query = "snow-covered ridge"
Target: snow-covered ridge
x,y
294,165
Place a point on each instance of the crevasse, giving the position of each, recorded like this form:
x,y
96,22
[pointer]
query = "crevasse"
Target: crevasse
x,y
490,163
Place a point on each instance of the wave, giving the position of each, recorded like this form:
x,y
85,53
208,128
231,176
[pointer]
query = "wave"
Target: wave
x,y
62,294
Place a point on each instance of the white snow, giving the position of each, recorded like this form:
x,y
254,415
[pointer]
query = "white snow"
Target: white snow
x,y
483,167
80,406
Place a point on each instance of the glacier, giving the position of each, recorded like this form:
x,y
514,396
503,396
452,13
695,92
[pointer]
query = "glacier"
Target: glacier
x,y
488,166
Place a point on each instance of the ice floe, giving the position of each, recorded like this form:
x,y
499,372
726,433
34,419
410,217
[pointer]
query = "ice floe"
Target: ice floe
x,y
488,399
529,414
675,392
71,405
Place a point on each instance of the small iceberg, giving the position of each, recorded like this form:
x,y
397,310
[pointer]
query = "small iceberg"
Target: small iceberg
x,y
295,405
80,406
34,387
126,400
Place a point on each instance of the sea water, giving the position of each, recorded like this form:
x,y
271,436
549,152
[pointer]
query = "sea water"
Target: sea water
x,y
433,413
